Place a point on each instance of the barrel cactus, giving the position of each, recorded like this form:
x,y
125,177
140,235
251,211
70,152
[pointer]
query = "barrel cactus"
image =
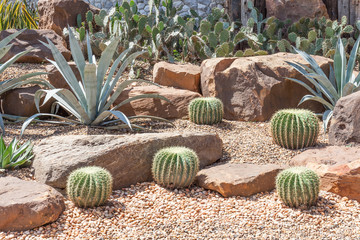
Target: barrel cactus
x,y
295,128
298,186
175,167
89,186
206,110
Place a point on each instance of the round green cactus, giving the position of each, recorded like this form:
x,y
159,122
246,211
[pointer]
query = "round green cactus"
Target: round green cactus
x,y
295,128
206,110
175,167
298,186
89,186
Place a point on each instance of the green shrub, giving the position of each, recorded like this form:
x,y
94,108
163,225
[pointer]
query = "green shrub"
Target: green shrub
x,y
175,167
294,128
206,110
89,186
15,154
17,15
298,186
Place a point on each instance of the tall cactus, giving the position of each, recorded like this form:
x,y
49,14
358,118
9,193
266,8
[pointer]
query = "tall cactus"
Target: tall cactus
x,y
298,186
89,186
295,128
206,110
175,167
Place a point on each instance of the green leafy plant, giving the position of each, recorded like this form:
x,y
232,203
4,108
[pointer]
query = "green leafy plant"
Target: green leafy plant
x,y
89,186
15,154
206,110
17,14
295,128
175,167
328,90
91,98
298,186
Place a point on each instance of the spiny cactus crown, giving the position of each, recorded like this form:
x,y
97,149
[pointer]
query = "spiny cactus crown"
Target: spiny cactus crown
x,y
206,110
298,186
295,128
175,166
89,186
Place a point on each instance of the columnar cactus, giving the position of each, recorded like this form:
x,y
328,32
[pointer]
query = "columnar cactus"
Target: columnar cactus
x,y
207,110
295,128
175,167
298,186
89,186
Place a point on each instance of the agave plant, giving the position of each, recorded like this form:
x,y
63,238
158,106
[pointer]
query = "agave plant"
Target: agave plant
x,y
15,82
17,14
328,90
15,154
92,97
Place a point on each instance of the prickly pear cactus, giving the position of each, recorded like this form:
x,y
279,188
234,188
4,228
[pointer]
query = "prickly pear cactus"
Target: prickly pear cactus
x,y
89,186
206,110
298,186
295,128
175,167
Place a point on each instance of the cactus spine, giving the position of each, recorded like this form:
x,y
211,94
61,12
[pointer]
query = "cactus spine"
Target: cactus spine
x,y
298,186
175,167
206,110
295,128
89,186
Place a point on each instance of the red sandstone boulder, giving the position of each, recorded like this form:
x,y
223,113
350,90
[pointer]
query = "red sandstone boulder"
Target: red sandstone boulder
x,y
184,76
254,88
58,14
296,9
30,39
338,168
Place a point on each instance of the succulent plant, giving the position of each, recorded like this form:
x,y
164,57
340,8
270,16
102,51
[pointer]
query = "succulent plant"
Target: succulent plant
x,y
295,128
206,110
89,186
298,186
175,167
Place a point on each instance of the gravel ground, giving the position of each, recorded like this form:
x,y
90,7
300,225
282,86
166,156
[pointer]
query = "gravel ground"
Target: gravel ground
x,y
148,211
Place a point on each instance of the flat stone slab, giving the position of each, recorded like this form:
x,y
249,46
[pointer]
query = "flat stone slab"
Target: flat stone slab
x,y
242,179
337,166
25,205
127,157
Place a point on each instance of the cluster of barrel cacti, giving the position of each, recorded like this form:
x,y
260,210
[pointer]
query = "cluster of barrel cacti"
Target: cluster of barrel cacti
x,y
295,128
298,186
89,186
175,167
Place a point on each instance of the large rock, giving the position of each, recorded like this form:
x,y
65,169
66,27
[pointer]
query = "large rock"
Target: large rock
x,y
21,102
176,108
58,14
128,158
254,88
338,168
30,39
243,179
55,77
184,76
296,9
345,123
25,205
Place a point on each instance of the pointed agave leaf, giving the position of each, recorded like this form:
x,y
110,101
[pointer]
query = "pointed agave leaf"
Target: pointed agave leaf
x,y
5,50
152,118
2,150
9,38
77,54
33,118
352,61
106,114
12,60
328,89
91,90
88,47
340,65
326,119
304,85
318,99
2,124
311,61
348,89
332,77
15,82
